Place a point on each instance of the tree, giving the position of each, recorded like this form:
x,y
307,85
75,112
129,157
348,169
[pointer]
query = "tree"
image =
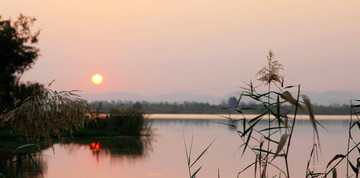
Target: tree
x,y
232,102
17,54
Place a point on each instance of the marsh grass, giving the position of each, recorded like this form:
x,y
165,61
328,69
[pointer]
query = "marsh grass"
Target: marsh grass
x,y
124,121
272,141
270,144
190,163
47,112
352,154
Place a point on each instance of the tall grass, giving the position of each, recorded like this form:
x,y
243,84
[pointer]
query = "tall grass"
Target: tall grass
x,y
190,163
273,141
351,157
270,142
129,121
47,112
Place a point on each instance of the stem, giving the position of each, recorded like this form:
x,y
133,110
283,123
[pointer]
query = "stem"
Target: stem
x,y
348,143
291,133
269,133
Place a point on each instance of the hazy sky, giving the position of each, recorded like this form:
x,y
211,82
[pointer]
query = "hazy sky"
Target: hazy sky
x,y
195,46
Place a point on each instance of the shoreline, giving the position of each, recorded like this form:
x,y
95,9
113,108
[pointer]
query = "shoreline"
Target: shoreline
x,y
236,116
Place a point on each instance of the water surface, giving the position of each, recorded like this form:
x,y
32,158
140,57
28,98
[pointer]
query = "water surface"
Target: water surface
x,y
163,154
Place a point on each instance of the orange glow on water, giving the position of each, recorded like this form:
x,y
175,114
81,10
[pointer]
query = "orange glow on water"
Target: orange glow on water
x,y
95,146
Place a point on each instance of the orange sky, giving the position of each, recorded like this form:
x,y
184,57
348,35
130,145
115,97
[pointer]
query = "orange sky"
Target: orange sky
x,y
199,47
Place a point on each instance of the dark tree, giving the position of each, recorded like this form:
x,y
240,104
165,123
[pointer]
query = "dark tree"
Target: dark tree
x,y
232,102
17,54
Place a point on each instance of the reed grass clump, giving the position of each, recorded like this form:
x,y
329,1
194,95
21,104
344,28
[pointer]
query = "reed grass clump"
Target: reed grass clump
x,y
48,112
271,141
129,121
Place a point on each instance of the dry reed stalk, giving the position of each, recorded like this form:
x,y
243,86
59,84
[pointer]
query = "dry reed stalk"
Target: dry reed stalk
x,y
49,112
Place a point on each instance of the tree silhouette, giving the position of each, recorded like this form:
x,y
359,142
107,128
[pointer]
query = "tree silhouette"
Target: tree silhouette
x,y
17,54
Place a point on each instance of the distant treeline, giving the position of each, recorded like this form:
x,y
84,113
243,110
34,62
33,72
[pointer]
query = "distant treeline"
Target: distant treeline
x,y
230,106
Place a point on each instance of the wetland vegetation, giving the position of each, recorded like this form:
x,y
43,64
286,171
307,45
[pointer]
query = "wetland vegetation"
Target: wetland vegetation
x,y
39,117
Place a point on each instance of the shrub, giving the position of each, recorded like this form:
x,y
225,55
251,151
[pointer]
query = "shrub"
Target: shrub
x,y
129,121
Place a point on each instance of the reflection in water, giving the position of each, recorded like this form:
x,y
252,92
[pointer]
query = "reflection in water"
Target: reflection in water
x,y
129,148
20,164
95,147
135,157
186,122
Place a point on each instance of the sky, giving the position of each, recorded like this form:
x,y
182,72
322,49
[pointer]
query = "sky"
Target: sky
x,y
208,47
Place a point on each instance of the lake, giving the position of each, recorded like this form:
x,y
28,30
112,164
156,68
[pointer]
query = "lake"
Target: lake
x,y
163,154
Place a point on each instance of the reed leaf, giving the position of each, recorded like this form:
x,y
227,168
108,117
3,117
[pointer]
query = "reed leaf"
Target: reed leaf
x,y
291,86
334,173
289,98
281,144
240,97
278,110
202,153
26,146
250,128
191,144
311,116
355,169
271,140
335,158
247,167
247,143
186,151
258,117
193,175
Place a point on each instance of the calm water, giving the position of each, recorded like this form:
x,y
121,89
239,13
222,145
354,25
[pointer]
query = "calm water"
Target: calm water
x,y
163,154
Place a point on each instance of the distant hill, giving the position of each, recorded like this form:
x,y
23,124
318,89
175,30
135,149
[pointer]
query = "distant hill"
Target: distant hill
x,y
332,97
325,98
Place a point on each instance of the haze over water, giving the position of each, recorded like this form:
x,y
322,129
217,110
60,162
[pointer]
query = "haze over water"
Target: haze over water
x,y
198,47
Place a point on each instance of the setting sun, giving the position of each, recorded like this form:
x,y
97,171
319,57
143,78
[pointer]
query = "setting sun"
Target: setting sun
x,y
97,78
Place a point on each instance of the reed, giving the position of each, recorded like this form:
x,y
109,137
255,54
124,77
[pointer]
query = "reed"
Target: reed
x,y
273,141
127,121
48,112
191,164
352,165
40,115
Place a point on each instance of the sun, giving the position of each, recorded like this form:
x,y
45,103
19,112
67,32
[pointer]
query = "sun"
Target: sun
x,y
97,79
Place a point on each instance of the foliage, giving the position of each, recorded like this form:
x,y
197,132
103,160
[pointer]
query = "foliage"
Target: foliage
x,y
163,107
190,163
271,141
48,112
206,108
277,135
17,54
352,165
128,121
